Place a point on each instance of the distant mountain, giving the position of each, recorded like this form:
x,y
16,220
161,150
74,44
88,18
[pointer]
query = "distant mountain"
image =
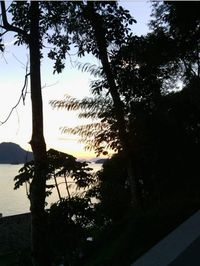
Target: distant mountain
x,y
100,161
11,153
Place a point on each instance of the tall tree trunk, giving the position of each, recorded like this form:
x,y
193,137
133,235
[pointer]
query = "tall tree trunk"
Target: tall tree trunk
x,y
39,241
37,187
99,31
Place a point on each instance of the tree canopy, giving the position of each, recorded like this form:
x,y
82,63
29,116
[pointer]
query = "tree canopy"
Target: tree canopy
x,y
144,105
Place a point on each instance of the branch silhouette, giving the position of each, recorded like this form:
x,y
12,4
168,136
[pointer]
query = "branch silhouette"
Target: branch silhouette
x,y
6,25
22,97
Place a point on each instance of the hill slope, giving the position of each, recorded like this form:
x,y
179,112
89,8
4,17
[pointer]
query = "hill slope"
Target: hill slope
x,y
11,153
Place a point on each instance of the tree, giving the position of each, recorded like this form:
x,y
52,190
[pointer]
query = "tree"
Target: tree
x,y
112,191
140,69
59,164
97,27
31,22
30,34
72,215
100,133
107,24
181,23
100,37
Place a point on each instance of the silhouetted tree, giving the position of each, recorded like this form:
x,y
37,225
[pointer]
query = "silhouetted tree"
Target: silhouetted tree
x,y
181,23
107,24
71,217
31,23
100,133
31,35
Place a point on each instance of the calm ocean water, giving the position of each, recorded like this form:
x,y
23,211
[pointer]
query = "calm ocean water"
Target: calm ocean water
x,y
15,201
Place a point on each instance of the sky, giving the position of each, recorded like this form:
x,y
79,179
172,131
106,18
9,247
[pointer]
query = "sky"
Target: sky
x,y
72,82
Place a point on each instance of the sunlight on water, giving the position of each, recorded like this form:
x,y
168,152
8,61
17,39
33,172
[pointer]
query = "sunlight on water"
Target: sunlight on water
x,y
11,201
15,201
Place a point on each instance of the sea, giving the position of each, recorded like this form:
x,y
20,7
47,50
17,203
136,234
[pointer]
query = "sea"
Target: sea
x,y
14,202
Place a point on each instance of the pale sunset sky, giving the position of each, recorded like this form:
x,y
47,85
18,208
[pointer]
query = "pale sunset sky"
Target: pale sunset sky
x,y
72,81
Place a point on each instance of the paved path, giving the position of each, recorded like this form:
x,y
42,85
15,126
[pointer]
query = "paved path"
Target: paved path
x,y
180,248
189,257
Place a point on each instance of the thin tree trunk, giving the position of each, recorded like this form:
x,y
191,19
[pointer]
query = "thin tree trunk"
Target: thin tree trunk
x,y
99,31
67,188
38,185
57,188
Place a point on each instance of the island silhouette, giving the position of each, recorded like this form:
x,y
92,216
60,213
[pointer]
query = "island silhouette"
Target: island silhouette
x,y
12,153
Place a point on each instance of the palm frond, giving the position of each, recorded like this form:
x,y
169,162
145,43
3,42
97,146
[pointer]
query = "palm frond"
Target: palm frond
x,y
89,68
85,131
87,104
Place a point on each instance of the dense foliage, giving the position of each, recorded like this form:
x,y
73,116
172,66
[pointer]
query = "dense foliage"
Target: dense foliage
x,y
157,76
145,104
70,218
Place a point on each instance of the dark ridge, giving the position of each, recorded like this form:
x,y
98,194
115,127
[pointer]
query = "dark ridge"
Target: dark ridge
x,y
11,153
100,161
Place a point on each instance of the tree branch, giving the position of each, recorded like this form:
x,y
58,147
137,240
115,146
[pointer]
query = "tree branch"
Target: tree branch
x,y
3,32
6,25
22,97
